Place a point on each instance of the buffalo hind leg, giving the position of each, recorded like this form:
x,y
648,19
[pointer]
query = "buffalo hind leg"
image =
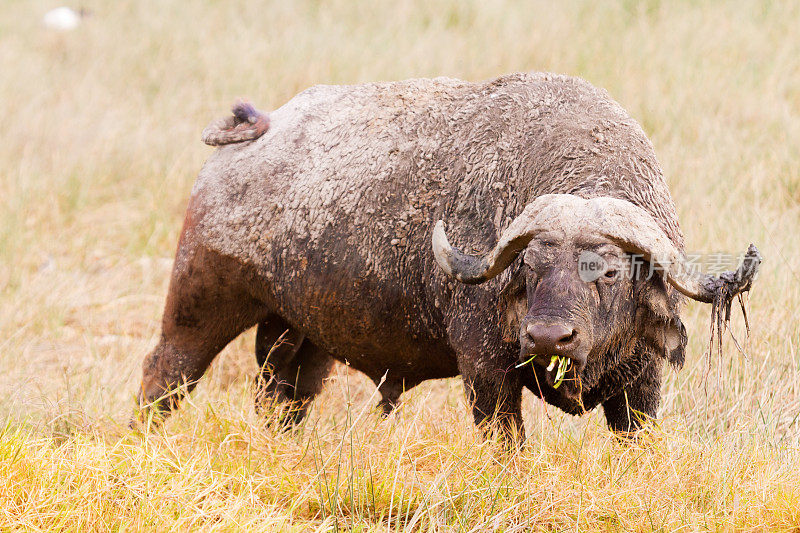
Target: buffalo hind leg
x,y
628,411
390,391
207,307
292,370
276,346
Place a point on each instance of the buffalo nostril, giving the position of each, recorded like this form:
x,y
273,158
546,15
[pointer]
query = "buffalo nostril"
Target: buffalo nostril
x,y
551,337
567,337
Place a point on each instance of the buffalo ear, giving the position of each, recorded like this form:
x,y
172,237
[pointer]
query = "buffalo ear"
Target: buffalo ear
x,y
513,304
675,343
664,337
660,322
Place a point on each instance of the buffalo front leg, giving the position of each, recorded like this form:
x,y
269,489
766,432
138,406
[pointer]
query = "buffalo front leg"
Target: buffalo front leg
x,y
492,384
496,400
627,411
207,307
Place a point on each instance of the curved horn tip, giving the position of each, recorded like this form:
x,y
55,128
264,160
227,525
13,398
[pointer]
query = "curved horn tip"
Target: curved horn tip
x,y
752,251
442,250
456,264
750,264
731,283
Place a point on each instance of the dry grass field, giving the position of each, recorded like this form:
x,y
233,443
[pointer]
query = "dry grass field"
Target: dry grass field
x,y
99,147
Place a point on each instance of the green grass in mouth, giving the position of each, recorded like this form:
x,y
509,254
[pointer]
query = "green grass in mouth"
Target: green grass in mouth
x,y
563,365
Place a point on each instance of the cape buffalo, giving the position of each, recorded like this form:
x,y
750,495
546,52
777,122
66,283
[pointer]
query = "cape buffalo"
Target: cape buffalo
x,y
317,222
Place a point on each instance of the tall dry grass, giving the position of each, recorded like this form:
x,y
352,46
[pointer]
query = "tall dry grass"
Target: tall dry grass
x,y
99,146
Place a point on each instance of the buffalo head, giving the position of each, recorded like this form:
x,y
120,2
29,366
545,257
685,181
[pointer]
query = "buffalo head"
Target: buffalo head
x,y
592,286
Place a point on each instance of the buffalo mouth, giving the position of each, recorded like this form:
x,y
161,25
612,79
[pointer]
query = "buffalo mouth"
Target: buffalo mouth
x,y
556,371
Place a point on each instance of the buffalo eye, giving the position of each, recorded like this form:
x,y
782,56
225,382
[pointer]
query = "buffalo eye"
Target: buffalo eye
x,y
611,274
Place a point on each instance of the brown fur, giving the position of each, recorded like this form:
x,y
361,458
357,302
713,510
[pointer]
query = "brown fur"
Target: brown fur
x,y
323,224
